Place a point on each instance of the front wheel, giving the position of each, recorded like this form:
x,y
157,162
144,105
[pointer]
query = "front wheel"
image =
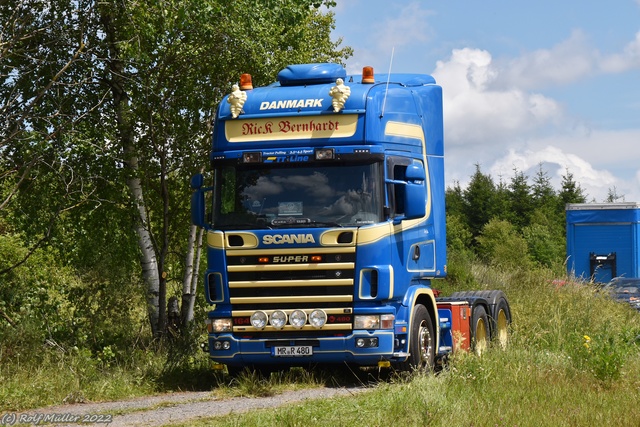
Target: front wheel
x,y
421,342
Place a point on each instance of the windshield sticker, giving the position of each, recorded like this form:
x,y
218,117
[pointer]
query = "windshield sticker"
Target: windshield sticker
x,y
286,159
289,208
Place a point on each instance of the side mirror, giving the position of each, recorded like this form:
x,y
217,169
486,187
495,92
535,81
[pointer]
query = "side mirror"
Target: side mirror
x,y
197,201
197,181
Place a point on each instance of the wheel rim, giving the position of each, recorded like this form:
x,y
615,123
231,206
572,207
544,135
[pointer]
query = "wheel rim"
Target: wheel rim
x,y
502,334
424,340
481,337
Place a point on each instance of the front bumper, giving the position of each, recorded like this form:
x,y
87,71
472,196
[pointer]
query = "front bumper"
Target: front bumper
x,y
337,349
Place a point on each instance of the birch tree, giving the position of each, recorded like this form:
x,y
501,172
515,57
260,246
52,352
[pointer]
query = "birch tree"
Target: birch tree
x,y
108,108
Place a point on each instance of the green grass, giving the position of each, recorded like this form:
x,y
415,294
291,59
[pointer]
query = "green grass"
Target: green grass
x,y
72,378
573,360
513,388
550,375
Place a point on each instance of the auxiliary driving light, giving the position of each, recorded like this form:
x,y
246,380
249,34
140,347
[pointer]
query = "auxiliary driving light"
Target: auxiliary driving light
x,y
318,318
367,342
221,345
259,319
298,319
278,319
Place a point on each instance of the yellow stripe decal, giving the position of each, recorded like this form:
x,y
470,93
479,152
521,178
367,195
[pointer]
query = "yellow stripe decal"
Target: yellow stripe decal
x,y
290,251
289,328
291,267
290,283
297,299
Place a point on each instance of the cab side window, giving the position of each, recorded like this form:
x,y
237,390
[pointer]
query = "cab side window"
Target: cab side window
x,y
396,170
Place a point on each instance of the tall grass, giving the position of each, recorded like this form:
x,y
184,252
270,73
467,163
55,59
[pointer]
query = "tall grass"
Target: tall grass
x,y
573,360
72,378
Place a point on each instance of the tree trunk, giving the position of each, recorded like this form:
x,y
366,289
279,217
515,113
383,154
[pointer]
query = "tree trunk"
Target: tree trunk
x,y
190,280
196,276
125,128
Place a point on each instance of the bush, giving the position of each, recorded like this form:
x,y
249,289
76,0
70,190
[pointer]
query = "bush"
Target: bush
x,y
500,244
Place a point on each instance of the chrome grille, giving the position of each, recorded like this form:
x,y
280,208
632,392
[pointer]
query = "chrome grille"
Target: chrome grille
x,y
280,279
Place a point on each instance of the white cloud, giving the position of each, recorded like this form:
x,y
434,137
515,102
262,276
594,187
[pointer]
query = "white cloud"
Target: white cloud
x,y
475,113
628,59
578,152
508,126
596,181
499,111
565,62
569,61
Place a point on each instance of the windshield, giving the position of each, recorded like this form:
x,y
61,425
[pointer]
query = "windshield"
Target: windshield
x,y
301,195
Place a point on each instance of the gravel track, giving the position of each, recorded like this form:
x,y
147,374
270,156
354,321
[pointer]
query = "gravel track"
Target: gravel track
x,y
169,408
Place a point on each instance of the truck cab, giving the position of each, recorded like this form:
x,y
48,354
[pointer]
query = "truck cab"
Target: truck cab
x,y
325,221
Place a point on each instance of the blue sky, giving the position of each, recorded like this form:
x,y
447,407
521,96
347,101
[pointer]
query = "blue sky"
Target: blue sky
x,y
551,83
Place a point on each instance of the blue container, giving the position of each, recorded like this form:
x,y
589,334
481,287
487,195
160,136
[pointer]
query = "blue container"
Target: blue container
x,y
602,240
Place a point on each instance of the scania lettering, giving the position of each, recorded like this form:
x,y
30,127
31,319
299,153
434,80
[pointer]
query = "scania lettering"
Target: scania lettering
x,y
325,220
279,239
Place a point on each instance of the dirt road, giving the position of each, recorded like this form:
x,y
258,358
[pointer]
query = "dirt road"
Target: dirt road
x,y
164,409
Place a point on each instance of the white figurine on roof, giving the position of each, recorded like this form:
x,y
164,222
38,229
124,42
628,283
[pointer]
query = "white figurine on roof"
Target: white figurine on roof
x,y
340,93
237,99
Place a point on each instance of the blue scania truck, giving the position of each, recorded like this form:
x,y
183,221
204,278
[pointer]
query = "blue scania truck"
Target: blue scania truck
x,y
325,225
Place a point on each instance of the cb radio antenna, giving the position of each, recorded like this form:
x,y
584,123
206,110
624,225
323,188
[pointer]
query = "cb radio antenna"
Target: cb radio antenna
x,y
384,101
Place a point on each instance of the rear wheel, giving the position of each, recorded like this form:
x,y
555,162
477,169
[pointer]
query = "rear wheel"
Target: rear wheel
x,y
501,321
479,330
421,341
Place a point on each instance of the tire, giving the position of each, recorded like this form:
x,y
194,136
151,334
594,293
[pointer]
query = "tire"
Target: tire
x,y
499,313
500,322
421,342
479,330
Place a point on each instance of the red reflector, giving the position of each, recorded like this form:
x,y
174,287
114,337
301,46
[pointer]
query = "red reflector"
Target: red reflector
x,y
263,260
316,258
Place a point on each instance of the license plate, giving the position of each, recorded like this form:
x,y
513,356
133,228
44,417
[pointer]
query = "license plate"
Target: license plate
x,y
293,351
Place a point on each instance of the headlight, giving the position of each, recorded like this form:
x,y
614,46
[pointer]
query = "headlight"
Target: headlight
x,y
278,319
318,318
219,325
259,319
374,321
369,321
298,319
